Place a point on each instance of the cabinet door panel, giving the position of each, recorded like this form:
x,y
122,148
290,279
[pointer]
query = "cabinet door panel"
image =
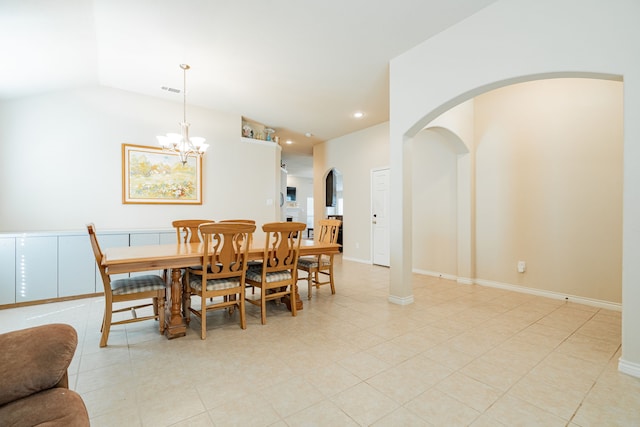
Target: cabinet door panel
x,y
76,266
7,270
36,268
168,238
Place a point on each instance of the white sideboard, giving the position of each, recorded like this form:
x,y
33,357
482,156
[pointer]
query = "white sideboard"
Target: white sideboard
x,y
48,265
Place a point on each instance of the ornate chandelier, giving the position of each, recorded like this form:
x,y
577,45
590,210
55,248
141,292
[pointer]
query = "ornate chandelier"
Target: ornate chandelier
x,y
181,143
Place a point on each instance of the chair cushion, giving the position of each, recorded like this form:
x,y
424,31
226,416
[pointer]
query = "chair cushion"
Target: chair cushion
x,y
255,274
213,284
136,284
311,262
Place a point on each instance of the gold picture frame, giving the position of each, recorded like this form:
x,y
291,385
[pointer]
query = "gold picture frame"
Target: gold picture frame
x,y
153,176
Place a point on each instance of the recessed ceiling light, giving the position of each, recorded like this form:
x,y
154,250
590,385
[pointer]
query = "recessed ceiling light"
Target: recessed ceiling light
x,y
289,141
358,115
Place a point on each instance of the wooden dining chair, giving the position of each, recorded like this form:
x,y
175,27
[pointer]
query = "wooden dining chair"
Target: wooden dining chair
x,y
222,273
322,264
127,289
246,221
187,229
276,276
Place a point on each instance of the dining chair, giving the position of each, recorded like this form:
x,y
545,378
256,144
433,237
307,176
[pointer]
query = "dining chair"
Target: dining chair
x,y
316,265
222,273
125,290
187,229
276,276
251,263
187,232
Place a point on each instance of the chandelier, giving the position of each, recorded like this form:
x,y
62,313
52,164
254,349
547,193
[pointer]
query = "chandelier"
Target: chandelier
x,y
181,143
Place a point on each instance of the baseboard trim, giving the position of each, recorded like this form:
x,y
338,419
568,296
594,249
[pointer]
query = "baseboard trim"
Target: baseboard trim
x,y
401,300
532,291
361,261
435,274
550,294
629,368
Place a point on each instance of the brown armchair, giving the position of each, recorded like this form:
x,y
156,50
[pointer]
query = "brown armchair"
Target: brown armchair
x,y
34,381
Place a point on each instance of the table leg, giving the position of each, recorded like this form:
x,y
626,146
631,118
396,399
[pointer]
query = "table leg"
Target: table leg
x,y
175,325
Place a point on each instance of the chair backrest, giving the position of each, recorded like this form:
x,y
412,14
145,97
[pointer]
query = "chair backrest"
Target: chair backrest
x,y
226,255
282,245
329,230
97,252
187,229
241,221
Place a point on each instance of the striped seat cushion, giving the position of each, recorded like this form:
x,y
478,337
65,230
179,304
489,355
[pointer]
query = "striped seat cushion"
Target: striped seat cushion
x,y
311,262
213,284
255,274
136,284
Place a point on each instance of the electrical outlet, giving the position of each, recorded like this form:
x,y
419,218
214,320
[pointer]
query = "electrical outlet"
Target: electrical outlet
x,y
522,266
357,245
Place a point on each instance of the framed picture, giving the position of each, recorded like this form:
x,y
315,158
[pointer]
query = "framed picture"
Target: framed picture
x,y
153,176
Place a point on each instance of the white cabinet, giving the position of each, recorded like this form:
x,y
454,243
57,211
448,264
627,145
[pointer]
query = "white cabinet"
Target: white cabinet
x,y
168,238
36,265
76,266
48,265
7,270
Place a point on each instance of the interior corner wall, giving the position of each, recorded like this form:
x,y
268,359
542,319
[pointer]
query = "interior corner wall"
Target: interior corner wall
x,y
515,41
61,162
434,168
355,155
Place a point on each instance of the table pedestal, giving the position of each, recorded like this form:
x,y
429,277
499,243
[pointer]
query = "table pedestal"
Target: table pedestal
x,y
175,325
299,304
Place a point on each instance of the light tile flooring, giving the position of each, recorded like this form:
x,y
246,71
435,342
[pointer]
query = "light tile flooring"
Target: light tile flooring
x,y
460,355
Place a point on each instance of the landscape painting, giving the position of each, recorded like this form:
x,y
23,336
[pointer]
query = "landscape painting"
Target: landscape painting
x,y
154,176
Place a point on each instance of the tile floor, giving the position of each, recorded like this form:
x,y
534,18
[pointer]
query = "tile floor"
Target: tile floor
x,y
460,355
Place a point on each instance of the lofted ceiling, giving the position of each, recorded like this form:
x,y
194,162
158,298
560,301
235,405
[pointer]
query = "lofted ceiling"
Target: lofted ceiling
x,y
298,66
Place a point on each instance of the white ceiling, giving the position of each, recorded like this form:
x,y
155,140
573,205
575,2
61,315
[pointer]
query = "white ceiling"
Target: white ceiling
x,y
295,65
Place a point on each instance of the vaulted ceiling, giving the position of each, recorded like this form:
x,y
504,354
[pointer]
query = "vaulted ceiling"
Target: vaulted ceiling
x,y
298,66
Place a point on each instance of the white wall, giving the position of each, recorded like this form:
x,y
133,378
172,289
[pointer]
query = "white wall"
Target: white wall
x,y
549,186
61,166
304,190
515,41
355,156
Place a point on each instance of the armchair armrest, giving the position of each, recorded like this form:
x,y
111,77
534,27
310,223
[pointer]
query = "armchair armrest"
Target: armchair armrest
x,y
35,359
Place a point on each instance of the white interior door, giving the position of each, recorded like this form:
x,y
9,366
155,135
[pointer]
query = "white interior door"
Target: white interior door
x,y
380,217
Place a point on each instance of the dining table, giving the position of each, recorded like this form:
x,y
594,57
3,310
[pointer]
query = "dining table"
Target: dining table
x,y
175,257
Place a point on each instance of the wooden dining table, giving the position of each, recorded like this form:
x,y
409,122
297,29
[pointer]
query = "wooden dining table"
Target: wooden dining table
x,y
175,257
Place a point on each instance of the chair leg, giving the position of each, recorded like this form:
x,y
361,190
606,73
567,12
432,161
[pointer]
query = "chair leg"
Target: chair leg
x,y
243,319
316,275
263,307
106,325
333,286
161,312
186,303
203,318
310,285
292,299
